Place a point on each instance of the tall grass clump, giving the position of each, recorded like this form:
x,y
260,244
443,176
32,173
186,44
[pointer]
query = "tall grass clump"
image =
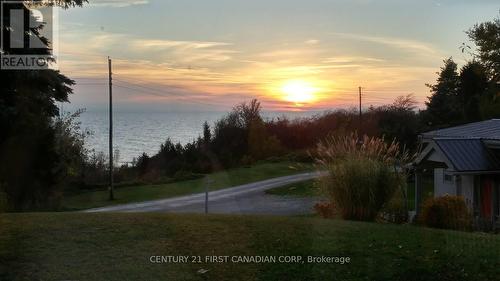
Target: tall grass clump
x,y
363,174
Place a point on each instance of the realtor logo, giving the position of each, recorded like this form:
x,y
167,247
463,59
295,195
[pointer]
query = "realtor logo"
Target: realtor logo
x,y
28,38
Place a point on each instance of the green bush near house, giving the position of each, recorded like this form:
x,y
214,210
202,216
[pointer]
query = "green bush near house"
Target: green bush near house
x,y
396,210
447,212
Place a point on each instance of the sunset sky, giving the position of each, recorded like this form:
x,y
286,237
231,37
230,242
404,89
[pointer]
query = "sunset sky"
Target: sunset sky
x,y
290,54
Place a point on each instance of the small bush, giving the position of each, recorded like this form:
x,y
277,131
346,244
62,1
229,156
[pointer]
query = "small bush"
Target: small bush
x,y
247,161
325,210
396,210
303,156
447,212
186,175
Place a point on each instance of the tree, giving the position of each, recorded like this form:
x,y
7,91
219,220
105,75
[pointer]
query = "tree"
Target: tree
x,y
399,121
207,134
70,146
260,144
29,159
230,141
473,85
443,106
486,36
142,164
248,112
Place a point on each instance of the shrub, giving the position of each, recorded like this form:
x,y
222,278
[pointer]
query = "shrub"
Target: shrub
x,y
325,210
396,210
186,175
3,202
447,212
360,187
260,144
363,176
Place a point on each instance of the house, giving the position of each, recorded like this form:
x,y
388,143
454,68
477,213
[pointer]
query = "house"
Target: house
x,y
464,161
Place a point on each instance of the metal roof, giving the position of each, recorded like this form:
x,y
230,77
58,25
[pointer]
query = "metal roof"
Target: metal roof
x,y
489,129
468,155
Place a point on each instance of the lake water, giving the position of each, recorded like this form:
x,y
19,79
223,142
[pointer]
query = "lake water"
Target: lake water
x,y
138,132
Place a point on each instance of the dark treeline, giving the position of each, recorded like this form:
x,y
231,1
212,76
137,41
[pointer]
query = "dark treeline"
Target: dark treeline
x,y
243,137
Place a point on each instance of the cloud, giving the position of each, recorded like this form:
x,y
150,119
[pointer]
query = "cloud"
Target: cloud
x,y
351,59
117,3
184,51
223,73
312,42
134,47
161,44
399,43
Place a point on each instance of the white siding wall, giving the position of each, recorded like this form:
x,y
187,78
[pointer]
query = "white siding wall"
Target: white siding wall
x,y
467,189
442,187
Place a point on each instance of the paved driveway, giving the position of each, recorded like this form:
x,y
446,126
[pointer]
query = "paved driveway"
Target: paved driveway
x,y
244,199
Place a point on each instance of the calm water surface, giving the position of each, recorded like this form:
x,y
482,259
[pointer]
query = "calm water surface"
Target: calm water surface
x,y
138,132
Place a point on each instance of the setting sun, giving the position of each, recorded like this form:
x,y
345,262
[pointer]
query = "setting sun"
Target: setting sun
x,y
298,91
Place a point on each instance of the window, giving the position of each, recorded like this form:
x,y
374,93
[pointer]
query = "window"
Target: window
x,y
448,178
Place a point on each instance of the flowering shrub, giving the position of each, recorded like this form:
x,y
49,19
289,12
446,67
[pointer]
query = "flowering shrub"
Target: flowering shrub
x,y
448,212
325,209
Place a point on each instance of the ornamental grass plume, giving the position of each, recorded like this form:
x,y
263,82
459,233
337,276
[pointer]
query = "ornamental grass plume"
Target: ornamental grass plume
x,y
362,175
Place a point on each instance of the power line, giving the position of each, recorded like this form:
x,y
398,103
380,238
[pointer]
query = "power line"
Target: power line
x,y
142,91
92,84
360,110
158,91
162,94
146,87
148,82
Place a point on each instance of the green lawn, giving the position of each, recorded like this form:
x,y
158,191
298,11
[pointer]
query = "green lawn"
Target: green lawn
x,y
221,180
76,246
300,189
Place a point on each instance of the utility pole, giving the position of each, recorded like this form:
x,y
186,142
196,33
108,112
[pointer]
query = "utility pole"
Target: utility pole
x,y
111,166
206,197
360,112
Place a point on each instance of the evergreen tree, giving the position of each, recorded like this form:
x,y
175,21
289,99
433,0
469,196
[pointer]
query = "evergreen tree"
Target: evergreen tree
x,y
473,85
443,106
207,134
29,158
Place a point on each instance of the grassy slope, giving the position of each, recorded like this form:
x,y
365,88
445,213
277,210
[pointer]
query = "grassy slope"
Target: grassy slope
x,y
70,246
310,188
300,189
150,192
